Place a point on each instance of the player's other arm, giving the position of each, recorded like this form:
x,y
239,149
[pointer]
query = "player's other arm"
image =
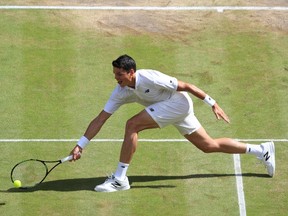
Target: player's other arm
x,y
91,131
219,113
183,86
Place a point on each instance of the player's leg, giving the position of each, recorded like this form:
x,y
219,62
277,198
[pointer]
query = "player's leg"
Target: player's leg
x,y
119,181
192,130
137,123
265,152
204,142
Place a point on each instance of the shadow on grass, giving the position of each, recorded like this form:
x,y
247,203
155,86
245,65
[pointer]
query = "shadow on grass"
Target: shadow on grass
x,y
88,184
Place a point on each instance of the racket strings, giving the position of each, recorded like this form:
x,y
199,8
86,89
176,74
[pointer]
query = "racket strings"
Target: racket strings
x,y
29,173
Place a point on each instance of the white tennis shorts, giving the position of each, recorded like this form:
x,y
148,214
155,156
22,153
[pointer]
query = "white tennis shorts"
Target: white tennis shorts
x,y
177,111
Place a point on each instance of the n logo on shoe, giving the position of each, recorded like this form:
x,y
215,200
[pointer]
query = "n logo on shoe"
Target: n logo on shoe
x,y
266,156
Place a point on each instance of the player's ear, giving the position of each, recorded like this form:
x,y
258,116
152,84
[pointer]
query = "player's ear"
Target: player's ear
x,y
131,71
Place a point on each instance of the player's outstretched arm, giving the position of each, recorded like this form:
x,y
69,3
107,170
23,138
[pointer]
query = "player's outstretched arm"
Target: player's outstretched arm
x,y
96,124
91,131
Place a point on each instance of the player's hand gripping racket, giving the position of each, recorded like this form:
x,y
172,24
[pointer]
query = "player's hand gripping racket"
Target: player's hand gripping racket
x,y
32,172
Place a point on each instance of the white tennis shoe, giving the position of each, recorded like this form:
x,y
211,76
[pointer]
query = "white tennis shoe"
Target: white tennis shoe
x,y
113,184
268,157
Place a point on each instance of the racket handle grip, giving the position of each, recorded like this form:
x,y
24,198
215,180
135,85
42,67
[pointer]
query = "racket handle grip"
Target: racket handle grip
x,y
68,158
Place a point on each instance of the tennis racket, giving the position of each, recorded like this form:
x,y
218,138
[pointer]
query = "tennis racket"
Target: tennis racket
x,y
32,172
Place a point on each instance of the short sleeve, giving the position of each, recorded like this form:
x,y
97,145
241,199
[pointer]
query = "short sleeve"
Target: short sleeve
x,y
166,81
118,97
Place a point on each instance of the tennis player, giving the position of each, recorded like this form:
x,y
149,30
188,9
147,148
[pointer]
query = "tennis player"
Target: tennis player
x,y
166,102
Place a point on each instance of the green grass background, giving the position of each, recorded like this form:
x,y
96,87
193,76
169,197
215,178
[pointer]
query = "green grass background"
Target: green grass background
x,y
56,77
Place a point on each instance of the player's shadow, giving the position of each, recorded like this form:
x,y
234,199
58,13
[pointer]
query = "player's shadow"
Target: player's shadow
x,y
88,184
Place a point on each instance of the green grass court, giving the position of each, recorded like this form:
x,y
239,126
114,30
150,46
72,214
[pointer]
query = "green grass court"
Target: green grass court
x,y
56,75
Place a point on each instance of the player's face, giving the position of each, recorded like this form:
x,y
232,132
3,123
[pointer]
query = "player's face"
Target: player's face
x,y
123,77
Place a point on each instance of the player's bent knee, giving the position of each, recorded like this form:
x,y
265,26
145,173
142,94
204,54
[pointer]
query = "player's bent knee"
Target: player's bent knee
x,y
131,125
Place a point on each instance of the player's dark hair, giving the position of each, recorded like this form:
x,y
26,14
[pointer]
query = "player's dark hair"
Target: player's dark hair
x,y
125,62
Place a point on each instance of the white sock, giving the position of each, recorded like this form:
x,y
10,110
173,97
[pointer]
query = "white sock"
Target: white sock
x,y
254,149
121,171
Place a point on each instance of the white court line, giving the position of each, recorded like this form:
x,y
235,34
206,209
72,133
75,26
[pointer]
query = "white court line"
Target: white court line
x,y
140,140
239,185
147,8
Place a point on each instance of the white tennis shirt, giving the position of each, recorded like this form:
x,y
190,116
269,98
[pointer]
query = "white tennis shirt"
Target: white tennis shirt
x,y
151,87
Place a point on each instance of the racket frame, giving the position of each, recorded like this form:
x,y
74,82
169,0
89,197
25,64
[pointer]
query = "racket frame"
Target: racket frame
x,y
70,157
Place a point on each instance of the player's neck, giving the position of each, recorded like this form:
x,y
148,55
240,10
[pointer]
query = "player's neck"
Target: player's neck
x,y
132,83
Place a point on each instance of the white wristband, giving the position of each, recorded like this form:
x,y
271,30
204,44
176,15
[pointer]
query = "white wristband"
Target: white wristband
x,y
83,141
208,100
